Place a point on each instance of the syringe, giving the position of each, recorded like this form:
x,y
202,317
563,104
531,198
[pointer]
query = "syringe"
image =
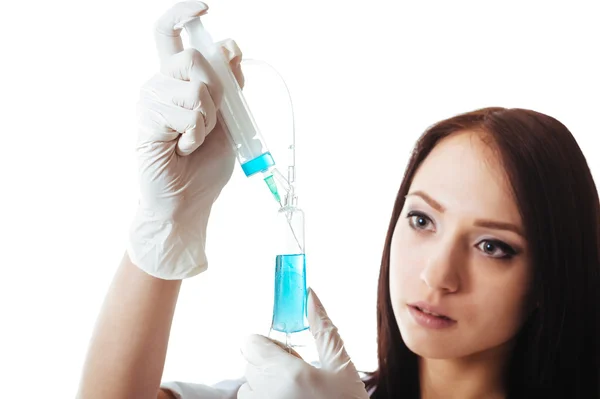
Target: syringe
x,y
249,145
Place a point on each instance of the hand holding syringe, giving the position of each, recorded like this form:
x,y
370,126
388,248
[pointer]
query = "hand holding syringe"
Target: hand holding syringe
x,y
249,145
234,113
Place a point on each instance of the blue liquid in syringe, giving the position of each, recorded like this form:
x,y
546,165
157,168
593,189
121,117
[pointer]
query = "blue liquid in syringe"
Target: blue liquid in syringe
x,y
289,311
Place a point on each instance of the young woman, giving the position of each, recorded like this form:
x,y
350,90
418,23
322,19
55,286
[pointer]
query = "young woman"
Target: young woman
x,y
490,278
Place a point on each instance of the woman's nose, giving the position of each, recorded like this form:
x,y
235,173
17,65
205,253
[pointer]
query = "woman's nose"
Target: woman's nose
x,y
441,270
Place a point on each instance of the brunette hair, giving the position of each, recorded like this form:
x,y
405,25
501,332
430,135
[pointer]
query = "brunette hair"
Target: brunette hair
x,y
557,351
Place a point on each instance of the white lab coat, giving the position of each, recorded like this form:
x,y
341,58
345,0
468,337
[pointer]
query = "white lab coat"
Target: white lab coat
x,y
223,390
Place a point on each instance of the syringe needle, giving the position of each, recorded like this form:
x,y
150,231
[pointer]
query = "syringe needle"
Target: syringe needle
x,y
273,188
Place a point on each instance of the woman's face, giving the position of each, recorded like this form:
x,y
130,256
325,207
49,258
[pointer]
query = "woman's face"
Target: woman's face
x,y
458,250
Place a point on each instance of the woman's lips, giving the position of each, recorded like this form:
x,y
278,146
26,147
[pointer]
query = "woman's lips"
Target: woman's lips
x,y
426,316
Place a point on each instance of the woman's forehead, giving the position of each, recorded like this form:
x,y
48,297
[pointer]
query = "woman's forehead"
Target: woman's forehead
x,y
465,174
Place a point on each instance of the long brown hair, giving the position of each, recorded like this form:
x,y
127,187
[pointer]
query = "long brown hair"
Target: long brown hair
x,y
557,352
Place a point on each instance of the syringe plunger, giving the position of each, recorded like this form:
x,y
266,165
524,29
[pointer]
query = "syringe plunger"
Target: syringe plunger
x,y
250,148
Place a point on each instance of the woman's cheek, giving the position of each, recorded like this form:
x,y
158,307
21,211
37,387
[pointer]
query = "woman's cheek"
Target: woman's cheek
x,y
405,261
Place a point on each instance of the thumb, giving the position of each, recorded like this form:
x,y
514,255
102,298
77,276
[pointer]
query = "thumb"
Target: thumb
x,y
332,354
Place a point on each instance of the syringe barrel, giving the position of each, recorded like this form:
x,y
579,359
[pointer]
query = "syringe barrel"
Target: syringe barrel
x,y
248,143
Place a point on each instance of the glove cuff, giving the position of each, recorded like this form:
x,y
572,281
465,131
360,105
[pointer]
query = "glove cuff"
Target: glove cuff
x,y
166,248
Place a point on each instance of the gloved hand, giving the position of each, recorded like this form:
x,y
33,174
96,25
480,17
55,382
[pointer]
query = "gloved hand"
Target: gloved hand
x,y
184,156
275,374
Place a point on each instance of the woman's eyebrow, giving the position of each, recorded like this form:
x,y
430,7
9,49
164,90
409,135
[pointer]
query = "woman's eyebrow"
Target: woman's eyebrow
x,y
492,224
433,203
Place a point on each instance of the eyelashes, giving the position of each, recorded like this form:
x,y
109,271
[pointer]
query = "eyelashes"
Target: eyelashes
x,y
416,220
497,249
491,246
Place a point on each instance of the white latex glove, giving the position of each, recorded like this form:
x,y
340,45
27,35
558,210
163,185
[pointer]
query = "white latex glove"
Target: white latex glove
x,y
273,373
184,155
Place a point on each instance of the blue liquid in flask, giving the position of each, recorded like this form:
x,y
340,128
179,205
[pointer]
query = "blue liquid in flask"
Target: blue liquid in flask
x,y
289,310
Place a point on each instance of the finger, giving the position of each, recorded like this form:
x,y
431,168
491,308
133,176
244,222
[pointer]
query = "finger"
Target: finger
x,y
191,139
291,351
260,351
165,122
208,107
267,376
190,65
167,29
188,95
194,137
330,346
193,96
245,392
234,56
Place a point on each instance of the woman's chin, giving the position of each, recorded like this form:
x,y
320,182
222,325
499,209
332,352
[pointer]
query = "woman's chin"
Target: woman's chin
x,y
430,350
431,345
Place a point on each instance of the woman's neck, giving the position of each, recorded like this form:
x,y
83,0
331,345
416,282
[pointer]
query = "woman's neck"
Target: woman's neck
x,y
477,376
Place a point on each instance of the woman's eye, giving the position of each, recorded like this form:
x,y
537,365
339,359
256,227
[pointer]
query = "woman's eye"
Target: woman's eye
x,y
418,221
497,249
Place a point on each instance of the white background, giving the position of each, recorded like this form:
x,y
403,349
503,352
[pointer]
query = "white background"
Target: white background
x,y
366,79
